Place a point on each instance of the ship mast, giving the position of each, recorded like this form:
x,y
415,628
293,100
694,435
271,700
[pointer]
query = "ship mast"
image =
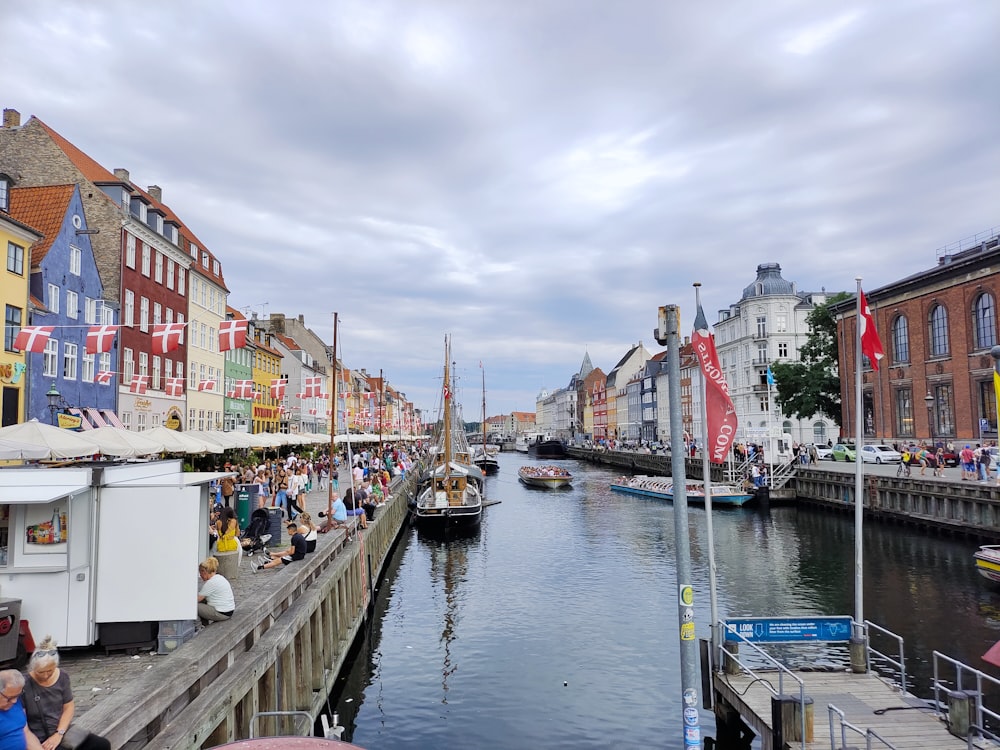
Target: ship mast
x,y
447,408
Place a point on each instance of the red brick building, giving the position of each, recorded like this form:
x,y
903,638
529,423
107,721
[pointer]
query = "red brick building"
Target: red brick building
x,y
937,328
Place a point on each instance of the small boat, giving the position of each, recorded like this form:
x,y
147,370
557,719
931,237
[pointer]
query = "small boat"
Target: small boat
x,y
551,448
486,460
521,444
662,488
548,477
988,562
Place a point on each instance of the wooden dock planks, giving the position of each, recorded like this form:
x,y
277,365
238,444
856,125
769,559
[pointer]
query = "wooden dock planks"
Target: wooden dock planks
x,y
908,725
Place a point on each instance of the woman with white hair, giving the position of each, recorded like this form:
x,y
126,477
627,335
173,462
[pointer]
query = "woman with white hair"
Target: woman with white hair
x,y
48,703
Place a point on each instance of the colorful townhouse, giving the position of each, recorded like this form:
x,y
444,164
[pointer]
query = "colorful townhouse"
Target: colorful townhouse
x,y
66,384
238,369
16,238
269,405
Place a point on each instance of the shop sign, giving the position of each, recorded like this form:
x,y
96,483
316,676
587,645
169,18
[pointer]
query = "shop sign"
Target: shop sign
x,y
173,419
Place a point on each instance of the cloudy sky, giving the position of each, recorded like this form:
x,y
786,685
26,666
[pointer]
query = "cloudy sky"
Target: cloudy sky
x,y
535,178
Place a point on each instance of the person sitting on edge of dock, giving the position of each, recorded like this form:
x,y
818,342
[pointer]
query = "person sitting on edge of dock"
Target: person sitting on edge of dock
x,y
336,515
14,732
297,550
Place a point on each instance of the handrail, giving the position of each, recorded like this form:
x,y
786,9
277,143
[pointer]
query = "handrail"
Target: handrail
x,y
900,665
297,715
781,668
869,734
960,670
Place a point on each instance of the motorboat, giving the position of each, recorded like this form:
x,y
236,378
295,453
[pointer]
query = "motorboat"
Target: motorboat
x,y
547,477
550,448
662,488
988,562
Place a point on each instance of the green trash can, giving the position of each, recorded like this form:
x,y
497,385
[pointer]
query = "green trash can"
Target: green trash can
x,y
243,504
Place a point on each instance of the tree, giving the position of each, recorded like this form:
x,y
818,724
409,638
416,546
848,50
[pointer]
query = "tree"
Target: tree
x,y
812,385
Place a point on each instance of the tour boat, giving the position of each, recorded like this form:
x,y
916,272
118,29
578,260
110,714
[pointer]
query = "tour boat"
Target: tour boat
x,y
548,477
451,498
662,488
988,562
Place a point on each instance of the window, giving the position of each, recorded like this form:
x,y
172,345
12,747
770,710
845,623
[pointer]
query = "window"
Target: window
x,y
157,362
215,267
143,363
762,352
15,259
180,319
988,403
194,251
11,327
204,294
129,312
168,368
193,378
143,313
107,315
157,313
72,305
761,326
89,310
171,267
53,299
50,358
181,280
179,369
900,341
126,419
4,193
87,372
204,259
75,257
128,369
106,362
130,251
140,421
985,320
783,350
158,269
939,331
781,323
146,255
169,316
202,336
201,419
69,361
942,412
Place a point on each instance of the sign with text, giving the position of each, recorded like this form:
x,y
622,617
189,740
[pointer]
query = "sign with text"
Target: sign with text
x,y
789,629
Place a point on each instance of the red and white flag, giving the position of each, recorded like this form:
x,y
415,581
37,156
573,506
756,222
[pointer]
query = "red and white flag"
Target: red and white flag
x,y
167,337
722,421
871,344
325,396
329,412
206,385
100,339
447,392
300,395
232,334
33,338
104,377
139,384
278,386
312,412
258,396
243,389
175,387
313,386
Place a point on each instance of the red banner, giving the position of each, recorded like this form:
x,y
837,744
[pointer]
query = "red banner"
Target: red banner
x,y
722,420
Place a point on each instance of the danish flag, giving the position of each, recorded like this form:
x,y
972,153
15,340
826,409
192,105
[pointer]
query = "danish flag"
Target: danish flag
x,y
278,388
139,384
447,392
167,337
325,396
206,385
312,412
103,377
312,386
33,338
232,334
100,339
300,395
175,386
243,389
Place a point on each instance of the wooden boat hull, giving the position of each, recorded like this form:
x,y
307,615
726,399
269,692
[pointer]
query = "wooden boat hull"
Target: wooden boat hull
x,y
735,499
545,482
988,562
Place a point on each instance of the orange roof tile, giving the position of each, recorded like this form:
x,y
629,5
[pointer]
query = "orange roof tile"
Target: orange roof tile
x,y
43,208
288,341
237,315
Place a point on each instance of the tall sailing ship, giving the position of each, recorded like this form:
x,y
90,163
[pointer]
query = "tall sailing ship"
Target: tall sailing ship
x,y
452,497
486,455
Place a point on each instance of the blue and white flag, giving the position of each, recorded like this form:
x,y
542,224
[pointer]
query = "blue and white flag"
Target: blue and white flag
x,y
770,376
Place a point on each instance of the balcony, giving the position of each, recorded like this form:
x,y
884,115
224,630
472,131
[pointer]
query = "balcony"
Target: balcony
x,y
761,363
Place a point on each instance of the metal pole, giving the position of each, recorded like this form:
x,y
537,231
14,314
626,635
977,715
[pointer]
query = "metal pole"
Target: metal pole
x,y
333,425
379,411
668,332
706,468
859,500
995,353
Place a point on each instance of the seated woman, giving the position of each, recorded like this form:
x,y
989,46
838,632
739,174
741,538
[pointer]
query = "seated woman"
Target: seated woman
x,y
308,529
216,601
227,529
352,501
48,702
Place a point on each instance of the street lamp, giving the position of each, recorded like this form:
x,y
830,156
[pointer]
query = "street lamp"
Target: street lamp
x,y
929,400
54,397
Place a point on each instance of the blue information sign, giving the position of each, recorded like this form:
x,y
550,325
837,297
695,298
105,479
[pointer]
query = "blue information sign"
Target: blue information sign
x,y
789,629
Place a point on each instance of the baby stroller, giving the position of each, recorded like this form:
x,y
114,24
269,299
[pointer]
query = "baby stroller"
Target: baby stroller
x,y
254,539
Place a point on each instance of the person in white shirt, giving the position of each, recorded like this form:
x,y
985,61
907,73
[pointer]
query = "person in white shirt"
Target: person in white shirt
x,y
216,601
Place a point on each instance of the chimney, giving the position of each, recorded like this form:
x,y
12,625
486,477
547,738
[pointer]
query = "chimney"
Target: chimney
x,y
156,192
278,323
302,319
11,118
122,174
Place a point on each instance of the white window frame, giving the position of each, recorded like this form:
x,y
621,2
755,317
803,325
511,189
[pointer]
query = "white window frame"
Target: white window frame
x,y
146,259
158,268
105,362
72,304
128,366
129,309
87,370
144,313
70,361
181,279
75,260
52,302
130,251
90,310
143,363
50,358
157,364
171,268
157,313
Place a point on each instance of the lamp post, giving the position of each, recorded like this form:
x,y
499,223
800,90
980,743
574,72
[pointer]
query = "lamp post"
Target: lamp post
x,y
929,400
54,397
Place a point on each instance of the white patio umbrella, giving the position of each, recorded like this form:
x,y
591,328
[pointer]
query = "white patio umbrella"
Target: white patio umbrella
x,y
221,439
10,450
58,442
181,442
121,443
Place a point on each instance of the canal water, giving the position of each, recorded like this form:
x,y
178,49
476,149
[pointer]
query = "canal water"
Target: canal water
x,y
555,626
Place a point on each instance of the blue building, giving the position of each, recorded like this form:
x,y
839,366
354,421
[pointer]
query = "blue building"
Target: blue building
x,y
65,291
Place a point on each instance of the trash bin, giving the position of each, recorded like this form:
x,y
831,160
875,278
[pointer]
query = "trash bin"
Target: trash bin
x,y
275,522
243,507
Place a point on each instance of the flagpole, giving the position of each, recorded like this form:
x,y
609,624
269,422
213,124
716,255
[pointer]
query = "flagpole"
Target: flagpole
x,y
770,427
706,469
858,639
333,423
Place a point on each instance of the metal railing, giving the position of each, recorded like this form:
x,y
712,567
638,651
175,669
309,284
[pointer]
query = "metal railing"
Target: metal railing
x,y
305,729
869,734
899,664
964,672
781,669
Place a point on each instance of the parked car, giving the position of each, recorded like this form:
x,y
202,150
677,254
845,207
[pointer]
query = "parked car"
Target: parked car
x,y
843,452
823,452
880,454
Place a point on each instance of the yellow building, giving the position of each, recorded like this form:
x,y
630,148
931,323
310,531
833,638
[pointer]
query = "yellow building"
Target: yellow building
x,y
17,238
266,367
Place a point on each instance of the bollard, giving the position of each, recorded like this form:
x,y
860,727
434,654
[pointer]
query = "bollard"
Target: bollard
x,y
786,715
731,665
859,656
960,708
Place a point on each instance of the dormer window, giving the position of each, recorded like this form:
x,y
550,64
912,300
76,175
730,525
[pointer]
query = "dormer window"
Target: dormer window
x,y
204,259
4,193
194,251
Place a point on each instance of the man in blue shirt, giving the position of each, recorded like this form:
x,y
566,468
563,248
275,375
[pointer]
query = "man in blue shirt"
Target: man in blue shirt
x,y
14,734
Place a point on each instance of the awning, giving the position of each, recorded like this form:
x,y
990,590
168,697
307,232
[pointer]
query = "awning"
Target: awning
x,y
183,479
112,419
96,418
44,493
84,422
